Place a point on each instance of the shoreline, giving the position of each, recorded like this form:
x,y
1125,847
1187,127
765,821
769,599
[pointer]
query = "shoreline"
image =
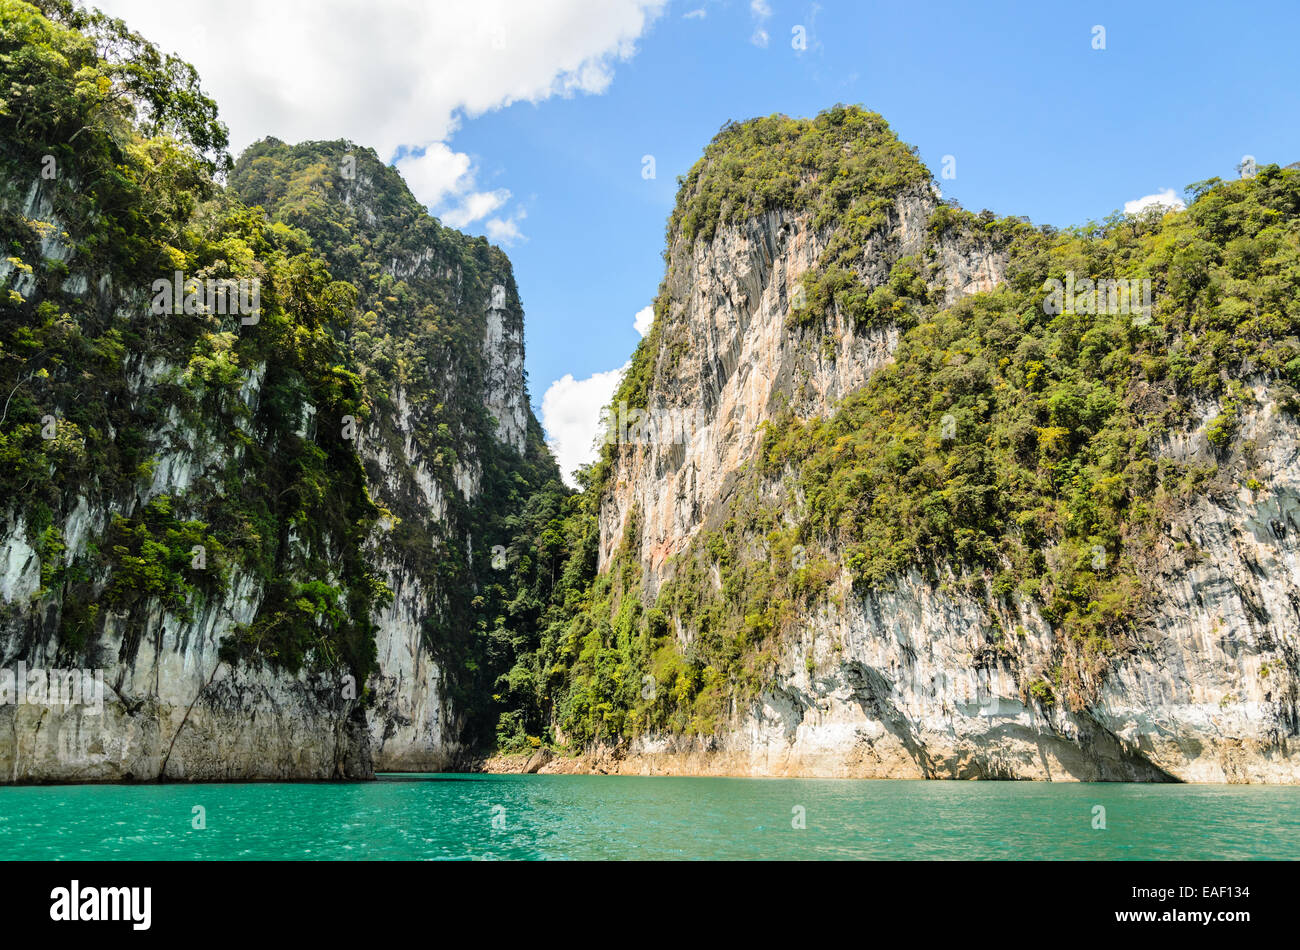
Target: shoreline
x,y
697,763
518,765
707,765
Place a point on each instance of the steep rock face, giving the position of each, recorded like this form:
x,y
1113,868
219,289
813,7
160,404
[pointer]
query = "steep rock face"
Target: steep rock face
x,y
730,303
919,682
176,712
503,346
412,727
933,674
166,706
171,707
913,683
450,350
1212,694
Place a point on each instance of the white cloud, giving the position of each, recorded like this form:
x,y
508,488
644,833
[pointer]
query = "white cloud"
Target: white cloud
x,y
571,416
476,206
437,173
506,230
644,318
699,14
443,180
390,73
387,72
1166,197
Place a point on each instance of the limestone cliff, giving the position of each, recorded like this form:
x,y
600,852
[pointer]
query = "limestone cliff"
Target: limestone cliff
x,y
172,707
451,348
729,304
918,682
263,522
826,663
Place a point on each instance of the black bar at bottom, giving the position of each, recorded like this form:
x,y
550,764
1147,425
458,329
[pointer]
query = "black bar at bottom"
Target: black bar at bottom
x,y
340,900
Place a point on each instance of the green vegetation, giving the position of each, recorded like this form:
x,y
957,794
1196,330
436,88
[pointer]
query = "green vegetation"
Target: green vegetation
x,y
1010,445
1018,447
845,167
267,416
417,346
122,143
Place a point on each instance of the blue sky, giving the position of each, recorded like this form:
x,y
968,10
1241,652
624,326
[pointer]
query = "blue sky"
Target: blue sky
x,y
539,138
1039,123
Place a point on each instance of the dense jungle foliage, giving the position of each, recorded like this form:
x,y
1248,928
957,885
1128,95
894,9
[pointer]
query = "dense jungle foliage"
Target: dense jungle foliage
x,y
418,346
119,141
120,144
1013,441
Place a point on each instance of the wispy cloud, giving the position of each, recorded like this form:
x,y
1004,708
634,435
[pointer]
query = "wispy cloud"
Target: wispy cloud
x,y
506,230
762,13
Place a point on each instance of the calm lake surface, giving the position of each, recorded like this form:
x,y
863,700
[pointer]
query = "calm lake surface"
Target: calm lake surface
x,y
563,817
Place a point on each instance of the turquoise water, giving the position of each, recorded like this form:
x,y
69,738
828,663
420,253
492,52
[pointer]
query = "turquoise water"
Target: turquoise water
x,y
488,817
